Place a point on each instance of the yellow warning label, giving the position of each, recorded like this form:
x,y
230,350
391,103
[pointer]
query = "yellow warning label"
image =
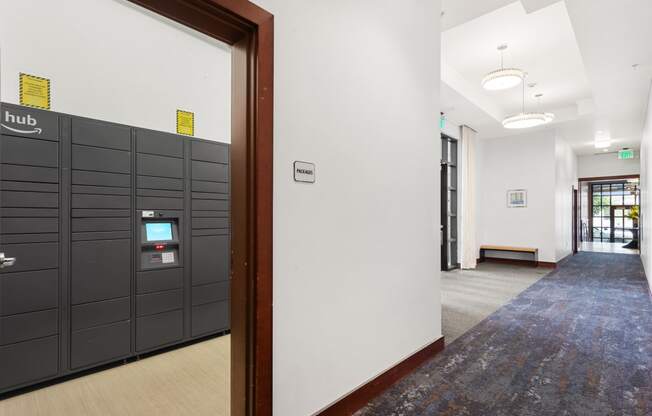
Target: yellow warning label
x,y
34,91
185,123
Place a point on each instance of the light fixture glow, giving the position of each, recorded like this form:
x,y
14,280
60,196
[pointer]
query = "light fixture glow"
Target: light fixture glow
x,y
526,120
602,144
503,78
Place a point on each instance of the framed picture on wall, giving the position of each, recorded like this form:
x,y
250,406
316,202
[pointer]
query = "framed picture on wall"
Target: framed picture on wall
x,y
517,198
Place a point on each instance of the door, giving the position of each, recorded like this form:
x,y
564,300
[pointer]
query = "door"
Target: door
x,y
611,207
444,216
449,256
576,215
29,246
623,228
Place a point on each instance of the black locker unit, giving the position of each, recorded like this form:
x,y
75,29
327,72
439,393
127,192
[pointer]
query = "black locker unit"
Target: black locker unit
x,y
29,230
75,194
100,255
209,174
159,188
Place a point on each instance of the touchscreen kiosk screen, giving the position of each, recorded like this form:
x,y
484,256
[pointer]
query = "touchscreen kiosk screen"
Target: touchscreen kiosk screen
x,y
158,231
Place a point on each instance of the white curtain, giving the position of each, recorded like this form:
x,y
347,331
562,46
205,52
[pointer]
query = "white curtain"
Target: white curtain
x,y
468,249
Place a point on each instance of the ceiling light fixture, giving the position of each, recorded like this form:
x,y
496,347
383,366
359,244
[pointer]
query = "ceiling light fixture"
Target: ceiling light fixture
x,y
525,120
503,78
602,140
602,144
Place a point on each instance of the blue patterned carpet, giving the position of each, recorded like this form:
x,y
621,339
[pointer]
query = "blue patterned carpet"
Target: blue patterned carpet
x,y
577,342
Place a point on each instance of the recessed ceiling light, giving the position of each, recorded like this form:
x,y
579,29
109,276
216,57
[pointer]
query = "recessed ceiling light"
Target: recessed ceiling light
x,y
602,144
605,150
503,78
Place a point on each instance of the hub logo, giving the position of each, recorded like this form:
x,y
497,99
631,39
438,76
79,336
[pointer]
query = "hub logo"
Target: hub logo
x,y
27,121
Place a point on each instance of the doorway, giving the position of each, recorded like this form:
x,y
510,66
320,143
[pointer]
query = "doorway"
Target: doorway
x,y
609,214
449,204
248,30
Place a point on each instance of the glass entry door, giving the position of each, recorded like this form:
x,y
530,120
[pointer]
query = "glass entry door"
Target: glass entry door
x,y
622,227
611,208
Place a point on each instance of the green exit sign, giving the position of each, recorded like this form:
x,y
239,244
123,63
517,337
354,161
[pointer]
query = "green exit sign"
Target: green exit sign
x,y
626,154
442,122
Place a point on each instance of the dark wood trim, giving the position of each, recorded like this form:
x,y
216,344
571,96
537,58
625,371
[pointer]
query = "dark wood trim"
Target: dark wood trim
x,y
575,220
518,262
250,30
261,275
357,399
608,178
589,214
563,260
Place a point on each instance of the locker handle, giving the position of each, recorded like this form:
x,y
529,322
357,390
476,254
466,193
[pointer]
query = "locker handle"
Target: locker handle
x,y
6,261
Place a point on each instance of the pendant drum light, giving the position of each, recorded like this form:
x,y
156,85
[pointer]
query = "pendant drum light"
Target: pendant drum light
x,y
503,78
525,120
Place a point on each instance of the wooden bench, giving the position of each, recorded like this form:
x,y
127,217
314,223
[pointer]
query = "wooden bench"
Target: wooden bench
x,y
533,251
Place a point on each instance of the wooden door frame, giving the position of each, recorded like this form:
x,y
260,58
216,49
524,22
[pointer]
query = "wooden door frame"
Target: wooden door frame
x,y
576,214
250,31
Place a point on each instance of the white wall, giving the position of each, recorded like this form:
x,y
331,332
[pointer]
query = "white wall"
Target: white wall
x,y
565,182
608,164
519,162
646,210
356,255
138,72
451,130
544,165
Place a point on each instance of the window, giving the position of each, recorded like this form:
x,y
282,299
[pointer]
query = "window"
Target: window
x,y
449,253
611,207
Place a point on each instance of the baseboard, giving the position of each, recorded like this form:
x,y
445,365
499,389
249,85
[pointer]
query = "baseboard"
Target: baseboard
x,y
567,258
520,262
357,399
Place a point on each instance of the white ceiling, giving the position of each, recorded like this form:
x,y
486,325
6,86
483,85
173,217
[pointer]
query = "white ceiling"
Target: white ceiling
x,y
578,52
456,12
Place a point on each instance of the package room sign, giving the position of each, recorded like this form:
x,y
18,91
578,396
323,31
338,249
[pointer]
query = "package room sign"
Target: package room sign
x,y
185,123
34,91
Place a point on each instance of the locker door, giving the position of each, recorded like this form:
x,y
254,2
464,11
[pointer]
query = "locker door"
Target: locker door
x,y
29,246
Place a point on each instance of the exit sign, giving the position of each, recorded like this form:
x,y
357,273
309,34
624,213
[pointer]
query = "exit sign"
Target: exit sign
x,y
626,154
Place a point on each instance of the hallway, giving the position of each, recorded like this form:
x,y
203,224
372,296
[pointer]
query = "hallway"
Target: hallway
x,y
469,296
577,342
607,247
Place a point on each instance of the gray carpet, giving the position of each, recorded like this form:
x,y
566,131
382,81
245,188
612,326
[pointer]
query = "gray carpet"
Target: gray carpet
x,y
577,342
469,296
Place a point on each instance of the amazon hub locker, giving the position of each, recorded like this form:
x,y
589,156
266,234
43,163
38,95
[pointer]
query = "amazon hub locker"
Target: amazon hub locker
x,y
115,242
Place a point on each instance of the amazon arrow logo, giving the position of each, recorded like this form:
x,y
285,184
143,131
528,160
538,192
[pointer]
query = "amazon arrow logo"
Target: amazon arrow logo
x,y
36,130
27,120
